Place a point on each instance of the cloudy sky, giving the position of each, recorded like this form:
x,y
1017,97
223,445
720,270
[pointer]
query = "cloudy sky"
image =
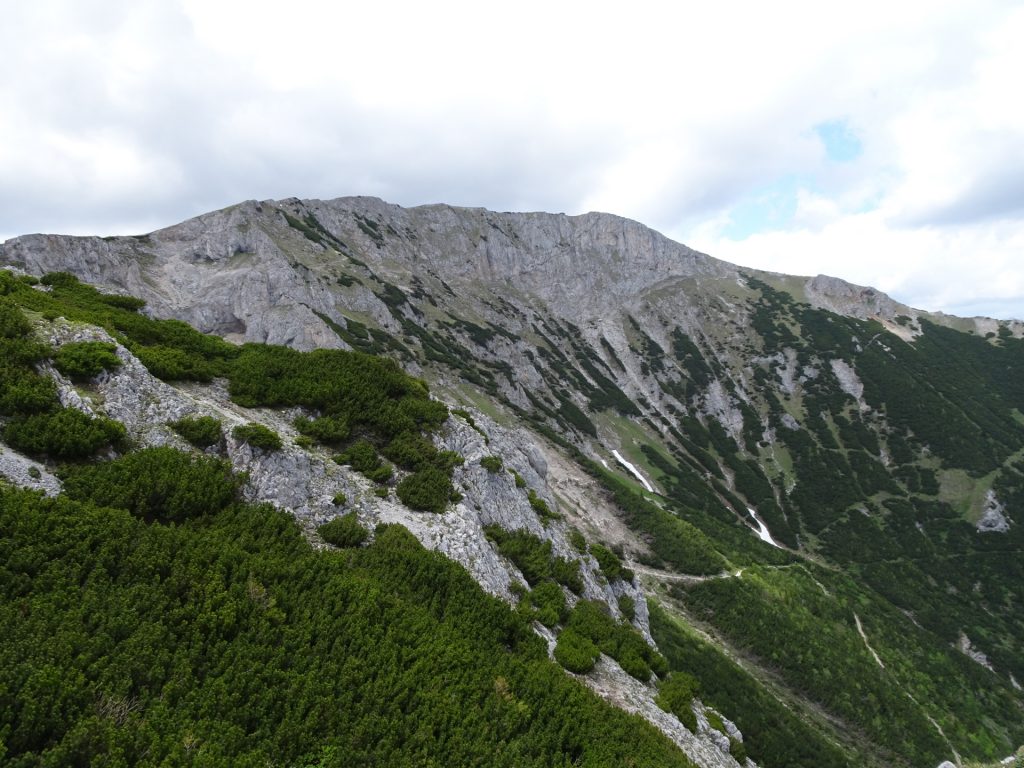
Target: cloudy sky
x,y
879,142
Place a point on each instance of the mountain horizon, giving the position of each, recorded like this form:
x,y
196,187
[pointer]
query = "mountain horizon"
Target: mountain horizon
x,y
580,216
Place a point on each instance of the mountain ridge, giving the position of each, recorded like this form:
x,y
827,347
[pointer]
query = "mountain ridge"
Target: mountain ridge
x,y
824,291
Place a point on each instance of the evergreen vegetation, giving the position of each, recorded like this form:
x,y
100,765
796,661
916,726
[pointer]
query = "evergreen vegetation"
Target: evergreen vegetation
x,y
805,626
344,531
773,734
674,541
63,434
590,621
84,360
575,652
35,421
257,436
534,558
352,396
546,604
428,490
225,640
676,694
611,565
200,431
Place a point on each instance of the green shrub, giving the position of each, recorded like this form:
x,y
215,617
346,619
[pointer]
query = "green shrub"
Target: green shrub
x,y
534,558
200,431
173,364
257,436
24,393
567,572
83,360
329,430
520,483
446,461
64,434
156,484
578,541
541,507
671,539
715,721
428,490
491,463
13,323
130,303
628,607
575,652
385,655
344,531
676,694
371,394
737,750
410,450
381,474
611,565
620,641
361,456
340,499
548,602
382,491
632,662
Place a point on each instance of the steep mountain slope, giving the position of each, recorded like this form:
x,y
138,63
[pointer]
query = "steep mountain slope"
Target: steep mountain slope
x,y
880,447
187,626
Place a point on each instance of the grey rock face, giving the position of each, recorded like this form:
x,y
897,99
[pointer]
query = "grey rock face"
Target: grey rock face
x,y
855,300
298,272
705,748
966,647
993,518
848,380
24,472
705,729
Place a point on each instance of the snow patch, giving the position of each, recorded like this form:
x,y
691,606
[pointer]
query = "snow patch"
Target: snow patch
x,y
633,470
763,533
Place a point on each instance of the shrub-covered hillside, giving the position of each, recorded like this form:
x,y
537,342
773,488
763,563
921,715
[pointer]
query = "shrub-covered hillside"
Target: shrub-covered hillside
x,y
153,618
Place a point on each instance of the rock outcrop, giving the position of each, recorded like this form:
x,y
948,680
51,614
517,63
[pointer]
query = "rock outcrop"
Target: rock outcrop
x,y
993,516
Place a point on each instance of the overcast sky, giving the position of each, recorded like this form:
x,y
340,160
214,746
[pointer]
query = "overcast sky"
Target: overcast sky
x,y
878,142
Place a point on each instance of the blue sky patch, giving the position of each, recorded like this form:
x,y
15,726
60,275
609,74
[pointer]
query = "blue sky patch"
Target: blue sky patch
x,y
768,208
841,143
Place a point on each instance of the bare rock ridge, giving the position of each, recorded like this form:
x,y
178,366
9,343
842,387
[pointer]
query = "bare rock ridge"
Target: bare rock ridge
x,y
230,271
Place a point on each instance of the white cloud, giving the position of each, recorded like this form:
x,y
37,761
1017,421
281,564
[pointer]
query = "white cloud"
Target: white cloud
x,y
119,116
